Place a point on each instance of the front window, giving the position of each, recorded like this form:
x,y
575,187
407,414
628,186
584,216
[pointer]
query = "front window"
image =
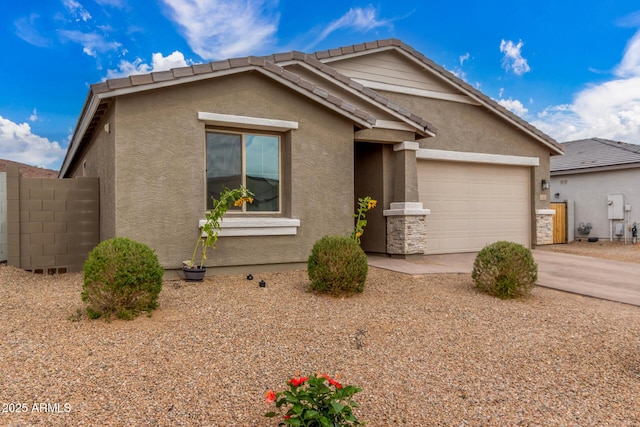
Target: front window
x,y
252,160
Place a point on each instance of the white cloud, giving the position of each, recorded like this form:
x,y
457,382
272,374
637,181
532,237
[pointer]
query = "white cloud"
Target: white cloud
x,y
77,10
514,106
26,30
630,64
19,144
113,3
607,110
34,116
513,59
158,63
92,43
359,19
464,58
224,28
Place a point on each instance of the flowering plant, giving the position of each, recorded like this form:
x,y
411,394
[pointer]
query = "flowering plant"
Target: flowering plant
x,y
316,400
213,218
365,204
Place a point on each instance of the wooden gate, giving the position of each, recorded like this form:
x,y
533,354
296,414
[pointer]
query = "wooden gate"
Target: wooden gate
x,y
559,222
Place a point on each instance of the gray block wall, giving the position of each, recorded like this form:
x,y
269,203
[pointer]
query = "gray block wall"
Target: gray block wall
x,y
3,217
52,223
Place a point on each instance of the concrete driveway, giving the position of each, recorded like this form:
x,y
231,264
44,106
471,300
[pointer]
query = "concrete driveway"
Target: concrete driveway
x,y
595,277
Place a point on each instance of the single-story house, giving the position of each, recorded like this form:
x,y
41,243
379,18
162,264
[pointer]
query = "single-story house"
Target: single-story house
x,y
599,181
310,133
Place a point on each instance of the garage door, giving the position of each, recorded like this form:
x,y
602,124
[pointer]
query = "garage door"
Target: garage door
x,y
474,204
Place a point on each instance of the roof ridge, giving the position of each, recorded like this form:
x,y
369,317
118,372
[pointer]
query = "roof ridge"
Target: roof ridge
x,y
593,153
619,144
393,42
313,61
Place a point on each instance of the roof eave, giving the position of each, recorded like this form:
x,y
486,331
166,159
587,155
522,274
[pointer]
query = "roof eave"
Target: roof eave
x,y
604,168
102,91
410,53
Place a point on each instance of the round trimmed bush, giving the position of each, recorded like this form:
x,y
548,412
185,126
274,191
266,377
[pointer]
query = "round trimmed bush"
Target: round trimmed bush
x,y
337,265
505,269
121,277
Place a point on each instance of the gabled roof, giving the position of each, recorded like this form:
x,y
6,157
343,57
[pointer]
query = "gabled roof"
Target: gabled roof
x,y
101,94
332,55
594,154
330,92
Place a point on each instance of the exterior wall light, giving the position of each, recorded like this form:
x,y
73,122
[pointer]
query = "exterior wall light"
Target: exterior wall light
x,y
545,184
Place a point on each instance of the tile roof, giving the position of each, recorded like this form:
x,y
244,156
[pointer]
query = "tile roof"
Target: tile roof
x,y
100,94
588,154
328,55
268,64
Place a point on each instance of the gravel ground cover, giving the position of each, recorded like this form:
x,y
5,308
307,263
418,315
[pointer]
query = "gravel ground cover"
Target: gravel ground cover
x,y
427,351
615,250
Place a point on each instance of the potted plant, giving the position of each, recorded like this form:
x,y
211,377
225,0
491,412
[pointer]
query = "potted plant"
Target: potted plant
x,y
208,236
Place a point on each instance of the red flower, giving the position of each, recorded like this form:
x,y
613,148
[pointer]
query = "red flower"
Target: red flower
x,y
333,382
270,396
298,381
286,417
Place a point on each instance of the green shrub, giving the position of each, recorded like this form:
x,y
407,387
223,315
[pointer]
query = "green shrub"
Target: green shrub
x,y
505,269
337,265
121,277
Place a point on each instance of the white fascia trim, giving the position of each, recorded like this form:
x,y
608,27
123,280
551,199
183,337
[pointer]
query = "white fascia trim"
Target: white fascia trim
x,y
256,226
358,94
423,93
406,209
393,125
463,156
545,212
246,122
406,146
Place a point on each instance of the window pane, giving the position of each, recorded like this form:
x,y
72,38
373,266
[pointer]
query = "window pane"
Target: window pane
x,y
224,163
263,172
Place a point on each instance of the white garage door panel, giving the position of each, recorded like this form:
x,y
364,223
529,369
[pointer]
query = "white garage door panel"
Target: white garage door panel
x,y
473,204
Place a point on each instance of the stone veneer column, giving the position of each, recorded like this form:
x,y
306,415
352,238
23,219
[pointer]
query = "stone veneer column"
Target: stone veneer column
x,y
406,228
544,226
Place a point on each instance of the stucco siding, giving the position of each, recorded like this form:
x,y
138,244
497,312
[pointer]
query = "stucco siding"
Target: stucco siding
x,y
160,156
589,193
392,68
469,128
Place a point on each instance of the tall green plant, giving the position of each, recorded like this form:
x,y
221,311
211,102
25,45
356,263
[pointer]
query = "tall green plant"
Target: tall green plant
x,y
213,219
365,204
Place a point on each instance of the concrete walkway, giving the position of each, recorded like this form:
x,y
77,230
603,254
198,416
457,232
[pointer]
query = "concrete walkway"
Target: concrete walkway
x,y
595,277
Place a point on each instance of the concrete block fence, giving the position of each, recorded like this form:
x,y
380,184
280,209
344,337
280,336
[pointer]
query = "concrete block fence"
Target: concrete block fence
x,y
52,223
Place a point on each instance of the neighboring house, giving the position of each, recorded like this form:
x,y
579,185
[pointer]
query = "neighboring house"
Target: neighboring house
x,y
599,180
310,133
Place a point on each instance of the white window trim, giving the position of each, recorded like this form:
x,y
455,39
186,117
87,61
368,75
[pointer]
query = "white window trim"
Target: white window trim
x,y
246,122
243,135
463,156
230,226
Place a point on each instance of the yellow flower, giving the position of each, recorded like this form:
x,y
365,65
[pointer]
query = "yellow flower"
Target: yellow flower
x,y
358,234
372,204
242,200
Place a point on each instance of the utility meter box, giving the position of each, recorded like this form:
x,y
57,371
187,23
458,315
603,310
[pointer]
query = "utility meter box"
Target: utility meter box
x,y
615,206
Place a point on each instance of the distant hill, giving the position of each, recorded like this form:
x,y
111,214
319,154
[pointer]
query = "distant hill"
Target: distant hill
x,y
29,171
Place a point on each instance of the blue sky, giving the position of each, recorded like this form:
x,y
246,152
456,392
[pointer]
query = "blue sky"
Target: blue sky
x,y
571,68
